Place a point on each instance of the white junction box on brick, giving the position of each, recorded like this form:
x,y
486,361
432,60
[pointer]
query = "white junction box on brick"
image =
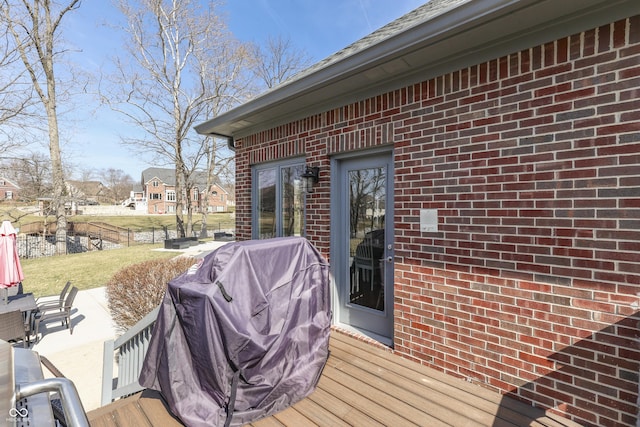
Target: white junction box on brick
x,y
428,220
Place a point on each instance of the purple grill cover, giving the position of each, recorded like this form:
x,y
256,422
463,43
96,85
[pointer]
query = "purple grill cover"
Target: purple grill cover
x,y
258,311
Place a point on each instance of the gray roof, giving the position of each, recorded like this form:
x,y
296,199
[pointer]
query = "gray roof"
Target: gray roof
x,y
423,13
168,176
436,38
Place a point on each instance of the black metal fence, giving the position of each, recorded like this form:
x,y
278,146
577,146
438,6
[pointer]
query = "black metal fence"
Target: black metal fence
x,y
79,239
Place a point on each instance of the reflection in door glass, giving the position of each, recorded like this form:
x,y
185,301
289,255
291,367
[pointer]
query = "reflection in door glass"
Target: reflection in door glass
x,y
267,203
367,199
292,201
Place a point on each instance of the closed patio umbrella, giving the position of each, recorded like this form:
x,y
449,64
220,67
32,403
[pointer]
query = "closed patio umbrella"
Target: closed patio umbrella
x,y
10,270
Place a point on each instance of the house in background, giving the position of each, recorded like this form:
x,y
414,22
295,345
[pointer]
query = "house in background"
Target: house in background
x,y
159,192
87,192
9,190
477,192
137,199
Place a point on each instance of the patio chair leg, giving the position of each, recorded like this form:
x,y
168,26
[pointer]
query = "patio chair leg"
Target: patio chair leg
x,y
37,337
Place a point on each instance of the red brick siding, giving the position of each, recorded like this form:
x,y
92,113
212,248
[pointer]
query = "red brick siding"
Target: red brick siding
x,y
215,201
7,187
156,205
532,161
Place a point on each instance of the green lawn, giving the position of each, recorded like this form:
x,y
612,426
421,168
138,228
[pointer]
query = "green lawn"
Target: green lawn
x,y
47,276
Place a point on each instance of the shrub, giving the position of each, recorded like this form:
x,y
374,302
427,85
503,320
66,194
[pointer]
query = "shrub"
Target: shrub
x,y
136,290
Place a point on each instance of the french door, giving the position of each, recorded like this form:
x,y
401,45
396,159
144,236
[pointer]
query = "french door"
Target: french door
x,y
362,247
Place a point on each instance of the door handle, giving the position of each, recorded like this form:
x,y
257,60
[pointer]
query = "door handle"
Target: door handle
x,y
389,259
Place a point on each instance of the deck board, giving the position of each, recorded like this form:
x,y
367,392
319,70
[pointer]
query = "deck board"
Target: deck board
x,y
156,410
341,409
292,417
362,384
316,414
131,415
103,421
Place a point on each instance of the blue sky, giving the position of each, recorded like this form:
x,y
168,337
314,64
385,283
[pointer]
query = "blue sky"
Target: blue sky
x,y
320,28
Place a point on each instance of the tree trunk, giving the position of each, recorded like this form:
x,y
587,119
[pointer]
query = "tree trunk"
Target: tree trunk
x,y
34,33
181,192
204,208
59,188
203,227
189,229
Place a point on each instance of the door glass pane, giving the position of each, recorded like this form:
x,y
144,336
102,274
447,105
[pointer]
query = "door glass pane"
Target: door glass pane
x,y
266,203
367,199
292,201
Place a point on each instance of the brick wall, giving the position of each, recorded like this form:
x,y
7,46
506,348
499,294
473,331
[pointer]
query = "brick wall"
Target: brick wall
x,y
531,285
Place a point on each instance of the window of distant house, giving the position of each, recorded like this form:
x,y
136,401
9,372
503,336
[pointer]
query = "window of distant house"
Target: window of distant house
x,y
155,183
155,196
8,195
2,182
171,196
278,202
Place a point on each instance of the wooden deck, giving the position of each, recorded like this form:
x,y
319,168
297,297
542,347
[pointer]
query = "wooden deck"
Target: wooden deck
x,y
363,385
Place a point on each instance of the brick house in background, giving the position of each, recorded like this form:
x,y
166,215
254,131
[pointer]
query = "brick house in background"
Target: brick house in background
x,y
9,190
159,190
478,193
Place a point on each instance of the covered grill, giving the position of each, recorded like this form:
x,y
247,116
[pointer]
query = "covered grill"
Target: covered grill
x,y
243,334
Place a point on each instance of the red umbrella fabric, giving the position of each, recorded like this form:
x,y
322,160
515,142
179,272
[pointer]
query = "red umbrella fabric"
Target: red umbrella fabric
x,y
10,269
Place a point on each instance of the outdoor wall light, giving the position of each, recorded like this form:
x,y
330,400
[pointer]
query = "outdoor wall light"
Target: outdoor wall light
x,y
309,178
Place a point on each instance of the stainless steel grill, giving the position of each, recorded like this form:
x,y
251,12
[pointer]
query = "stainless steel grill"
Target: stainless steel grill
x,y
25,394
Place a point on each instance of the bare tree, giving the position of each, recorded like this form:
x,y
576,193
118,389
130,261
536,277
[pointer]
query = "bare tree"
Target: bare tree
x,y
34,26
87,174
271,64
365,187
277,60
15,96
32,173
219,163
180,62
118,183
